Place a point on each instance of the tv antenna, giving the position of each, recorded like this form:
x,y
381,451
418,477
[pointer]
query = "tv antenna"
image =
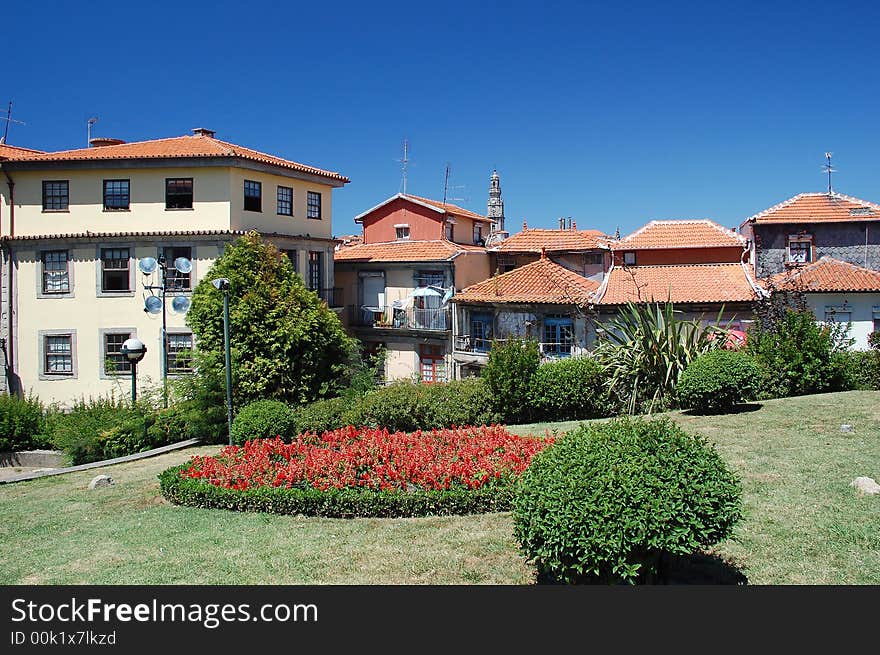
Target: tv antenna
x,y
91,121
9,119
828,168
447,188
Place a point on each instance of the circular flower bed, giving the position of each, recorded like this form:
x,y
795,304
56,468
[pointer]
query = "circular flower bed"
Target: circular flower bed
x,y
360,472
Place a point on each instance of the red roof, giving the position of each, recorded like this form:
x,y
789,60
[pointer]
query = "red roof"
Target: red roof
x,y
435,205
7,151
819,207
176,147
403,251
826,275
542,281
680,283
536,240
695,233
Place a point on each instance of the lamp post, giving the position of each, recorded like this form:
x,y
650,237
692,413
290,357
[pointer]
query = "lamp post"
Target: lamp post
x,y
222,284
134,351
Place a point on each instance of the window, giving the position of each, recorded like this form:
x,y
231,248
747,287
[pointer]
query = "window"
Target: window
x,y
178,193
285,201
505,263
558,335
175,280
178,353
56,272
314,205
291,255
56,196
478,234
58,354
629,259
316,272
594,259
116,195
450,232
253,196
800,249
875,314
838,314
115,363
402,232
429,279
433,364
115,270
482,332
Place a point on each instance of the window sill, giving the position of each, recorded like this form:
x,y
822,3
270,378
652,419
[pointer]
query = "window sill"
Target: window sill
x,y
115,294
56,211
253,211
66,294
284,215
116,211
179,209
315,218
56,377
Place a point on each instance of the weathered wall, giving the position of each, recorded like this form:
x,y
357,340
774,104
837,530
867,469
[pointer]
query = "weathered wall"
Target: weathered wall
x,y
843,241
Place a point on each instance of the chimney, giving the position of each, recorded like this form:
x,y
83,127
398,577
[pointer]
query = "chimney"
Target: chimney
x,y
574,225
525,227
101,141
561,222
203,131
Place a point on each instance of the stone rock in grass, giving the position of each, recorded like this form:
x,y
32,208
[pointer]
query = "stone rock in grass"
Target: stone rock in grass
x,y
846,428
865,485
101,481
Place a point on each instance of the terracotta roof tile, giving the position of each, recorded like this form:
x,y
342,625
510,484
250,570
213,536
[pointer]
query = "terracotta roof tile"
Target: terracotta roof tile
x,y
181,146
7,151
681,283
826,275
403,251
536,239
542,281
449,208
696,233
818,207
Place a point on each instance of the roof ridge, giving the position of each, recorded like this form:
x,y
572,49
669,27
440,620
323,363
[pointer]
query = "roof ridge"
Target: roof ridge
x,y
812,194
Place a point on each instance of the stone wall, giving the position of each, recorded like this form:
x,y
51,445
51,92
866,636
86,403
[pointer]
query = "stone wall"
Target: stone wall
x,y
843,241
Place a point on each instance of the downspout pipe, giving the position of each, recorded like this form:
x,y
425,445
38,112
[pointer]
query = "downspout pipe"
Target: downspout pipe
x,y
7,247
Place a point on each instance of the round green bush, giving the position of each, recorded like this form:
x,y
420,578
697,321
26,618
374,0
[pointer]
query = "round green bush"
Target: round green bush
x,y
263,419
569,389
604,502
717,381
323,415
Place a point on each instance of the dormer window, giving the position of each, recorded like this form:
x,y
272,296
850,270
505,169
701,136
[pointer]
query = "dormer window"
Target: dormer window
x,y
800,249
401,232
478,234
629,259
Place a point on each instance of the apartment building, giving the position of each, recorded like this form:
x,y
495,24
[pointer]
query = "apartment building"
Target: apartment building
x,y
76,223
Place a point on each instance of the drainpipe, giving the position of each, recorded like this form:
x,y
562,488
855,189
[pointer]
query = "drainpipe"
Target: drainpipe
x,y
7,247
866,244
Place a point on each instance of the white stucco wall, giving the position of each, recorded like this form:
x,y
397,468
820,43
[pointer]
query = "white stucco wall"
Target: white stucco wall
x,y
861,307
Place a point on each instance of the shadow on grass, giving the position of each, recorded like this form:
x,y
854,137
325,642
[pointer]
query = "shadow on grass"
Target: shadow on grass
x,y
696,569
742,408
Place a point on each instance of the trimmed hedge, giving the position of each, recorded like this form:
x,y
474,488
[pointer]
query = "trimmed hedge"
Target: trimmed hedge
x,y
263,419
604,502
508,374
717,381
569,389
334,503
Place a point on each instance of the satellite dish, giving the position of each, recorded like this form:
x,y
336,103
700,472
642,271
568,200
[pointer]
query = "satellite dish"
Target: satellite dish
x,y
147,265
183,265
180,304
153,304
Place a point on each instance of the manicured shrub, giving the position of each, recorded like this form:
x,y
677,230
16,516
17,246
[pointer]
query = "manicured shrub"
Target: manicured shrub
x,y
605,502
360,472
508,374
569,389
324,415
263,419
401,406
717,381
22,423
458,402
795,353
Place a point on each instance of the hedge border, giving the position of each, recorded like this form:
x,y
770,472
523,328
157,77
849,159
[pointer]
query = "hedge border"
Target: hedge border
x,y
335,503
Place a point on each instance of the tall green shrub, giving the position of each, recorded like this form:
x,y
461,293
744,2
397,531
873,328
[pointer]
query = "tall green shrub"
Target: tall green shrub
x,y
569,389
717,381
796,354
605,502
264,419
22,423
508,373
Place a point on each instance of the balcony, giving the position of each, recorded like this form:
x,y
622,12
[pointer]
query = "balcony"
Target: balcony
x,y
393,318
333,297
465,343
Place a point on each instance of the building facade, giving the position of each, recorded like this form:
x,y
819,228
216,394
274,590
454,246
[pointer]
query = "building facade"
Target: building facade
x,y
75,224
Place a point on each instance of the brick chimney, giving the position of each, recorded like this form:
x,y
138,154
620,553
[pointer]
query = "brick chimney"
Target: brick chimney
x,y
203,131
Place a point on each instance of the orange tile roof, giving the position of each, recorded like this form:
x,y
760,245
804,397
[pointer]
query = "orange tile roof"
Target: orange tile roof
x,y
681,283
818,207
7,151
695,233
826,275
403,251
537,239
174,147
542,281
449,208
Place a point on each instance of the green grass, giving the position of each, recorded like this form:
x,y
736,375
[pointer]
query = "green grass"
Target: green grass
x,y
803,523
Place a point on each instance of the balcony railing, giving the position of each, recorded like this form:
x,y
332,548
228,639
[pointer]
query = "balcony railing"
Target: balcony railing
x,y
333,297
549,350
403,319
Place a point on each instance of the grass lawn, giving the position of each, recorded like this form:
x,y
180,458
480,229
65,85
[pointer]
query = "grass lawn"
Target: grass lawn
x,y
803,523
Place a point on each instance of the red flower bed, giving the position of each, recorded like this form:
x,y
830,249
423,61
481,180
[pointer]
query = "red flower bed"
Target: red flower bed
x,y
470,458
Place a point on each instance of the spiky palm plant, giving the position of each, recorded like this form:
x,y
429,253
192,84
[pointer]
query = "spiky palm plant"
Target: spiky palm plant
x,y
647,346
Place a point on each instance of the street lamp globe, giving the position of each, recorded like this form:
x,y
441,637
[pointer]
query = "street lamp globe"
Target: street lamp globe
x,y
134,350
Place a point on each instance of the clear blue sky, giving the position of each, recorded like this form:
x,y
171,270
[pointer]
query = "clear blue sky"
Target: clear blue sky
x,y
611,113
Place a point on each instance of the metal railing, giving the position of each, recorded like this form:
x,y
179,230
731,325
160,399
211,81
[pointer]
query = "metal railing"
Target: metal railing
x,y
549,350
411,318
333,297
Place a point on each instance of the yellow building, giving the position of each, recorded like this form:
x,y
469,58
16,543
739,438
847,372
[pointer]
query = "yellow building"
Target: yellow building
x,y
75,224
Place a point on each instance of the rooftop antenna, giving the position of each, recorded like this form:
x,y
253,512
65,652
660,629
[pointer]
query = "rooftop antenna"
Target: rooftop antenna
x,y
829,169
9,119
447,188
91,121
403,162
446,182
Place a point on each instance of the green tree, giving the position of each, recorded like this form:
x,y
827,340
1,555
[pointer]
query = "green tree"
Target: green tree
x,y
286,344
508,373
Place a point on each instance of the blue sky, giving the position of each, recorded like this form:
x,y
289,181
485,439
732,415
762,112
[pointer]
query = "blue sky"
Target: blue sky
x,y
611,113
